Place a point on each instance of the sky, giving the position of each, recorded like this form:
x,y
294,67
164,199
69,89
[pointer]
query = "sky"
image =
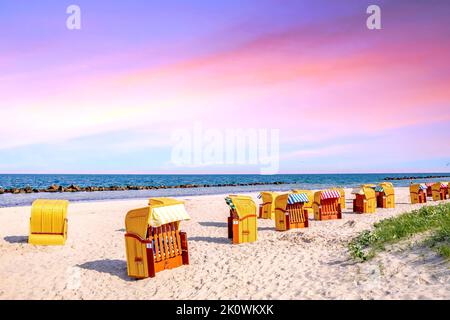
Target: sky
x,y
132,86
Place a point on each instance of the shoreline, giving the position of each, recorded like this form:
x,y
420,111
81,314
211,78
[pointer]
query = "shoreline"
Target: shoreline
x,y
28,201
181,197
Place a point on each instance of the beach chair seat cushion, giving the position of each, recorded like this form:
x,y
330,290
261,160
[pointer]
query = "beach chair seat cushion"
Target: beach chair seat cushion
x,y
46,239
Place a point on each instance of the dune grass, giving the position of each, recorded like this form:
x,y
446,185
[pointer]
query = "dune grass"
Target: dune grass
x,y
435,220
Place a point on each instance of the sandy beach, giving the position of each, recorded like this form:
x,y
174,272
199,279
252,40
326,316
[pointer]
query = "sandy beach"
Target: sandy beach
x,y
308,263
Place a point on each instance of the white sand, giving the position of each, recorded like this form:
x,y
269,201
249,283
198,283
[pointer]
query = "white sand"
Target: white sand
x,y
308,263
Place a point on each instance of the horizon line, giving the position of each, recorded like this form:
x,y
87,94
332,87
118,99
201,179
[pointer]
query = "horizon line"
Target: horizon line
x,y
181,174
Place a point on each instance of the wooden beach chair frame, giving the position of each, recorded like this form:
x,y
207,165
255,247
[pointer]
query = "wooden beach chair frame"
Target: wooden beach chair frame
x,y
365,201
326,209
48,222
289,216
151,249
417,193
242,222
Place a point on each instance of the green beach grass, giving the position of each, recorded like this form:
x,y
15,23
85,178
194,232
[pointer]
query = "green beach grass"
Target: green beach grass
x,y
433,221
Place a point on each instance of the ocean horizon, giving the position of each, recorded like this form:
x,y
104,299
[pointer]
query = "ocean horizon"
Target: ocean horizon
x,y
171,185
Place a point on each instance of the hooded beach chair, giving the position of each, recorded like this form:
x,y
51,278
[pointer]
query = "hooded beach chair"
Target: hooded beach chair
x,y
267,207
242,222
342,198
439,191
429,189
327,205
365,199
48,222
385,195
418,193
153,239
290,212
308,205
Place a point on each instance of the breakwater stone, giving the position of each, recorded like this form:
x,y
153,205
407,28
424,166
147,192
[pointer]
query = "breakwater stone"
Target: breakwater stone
x,y
76,188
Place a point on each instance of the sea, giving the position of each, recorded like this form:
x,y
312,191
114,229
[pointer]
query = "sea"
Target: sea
x,y
290,181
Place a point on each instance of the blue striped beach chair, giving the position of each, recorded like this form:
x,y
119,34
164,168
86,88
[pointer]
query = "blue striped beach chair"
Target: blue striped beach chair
x,y
290,211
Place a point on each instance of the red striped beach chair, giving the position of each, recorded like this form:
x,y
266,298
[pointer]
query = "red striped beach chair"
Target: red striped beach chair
x,y
327,205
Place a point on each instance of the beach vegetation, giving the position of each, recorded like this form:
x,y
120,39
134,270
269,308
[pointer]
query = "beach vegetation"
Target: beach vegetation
x,y
431,221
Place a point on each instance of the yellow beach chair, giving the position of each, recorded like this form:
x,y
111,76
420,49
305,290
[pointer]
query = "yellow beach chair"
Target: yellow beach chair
x,y
48,222
242,222
385,195
365,199
308,205
327,205
429,189
290,212
418,193
153,239
342,198
267,208
439,191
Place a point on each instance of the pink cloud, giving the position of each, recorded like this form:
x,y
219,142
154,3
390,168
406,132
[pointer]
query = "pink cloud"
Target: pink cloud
x,y
313,82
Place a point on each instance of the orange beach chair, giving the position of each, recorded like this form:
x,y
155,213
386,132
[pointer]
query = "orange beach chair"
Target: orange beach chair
x,y
153,239
48,222
242,222
385,195
365,199
418,193
439,191
327,205
290,212
267,208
